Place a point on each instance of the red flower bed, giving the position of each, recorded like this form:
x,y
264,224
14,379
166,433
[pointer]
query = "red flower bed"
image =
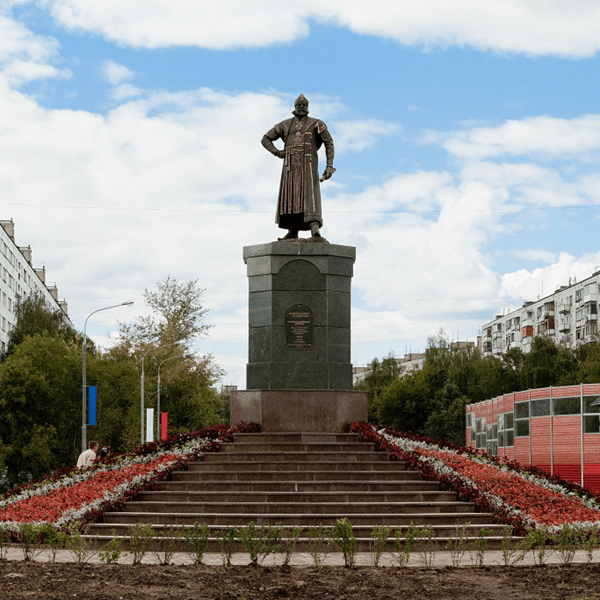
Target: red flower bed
x,y
521,497
81,495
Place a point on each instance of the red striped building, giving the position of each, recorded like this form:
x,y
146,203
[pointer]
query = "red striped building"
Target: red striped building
x,y
555,428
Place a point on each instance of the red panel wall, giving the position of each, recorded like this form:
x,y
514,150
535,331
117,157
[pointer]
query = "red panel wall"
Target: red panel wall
x,y
566,435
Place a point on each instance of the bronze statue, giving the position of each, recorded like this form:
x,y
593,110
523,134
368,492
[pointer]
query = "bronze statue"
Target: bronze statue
x,y
299,204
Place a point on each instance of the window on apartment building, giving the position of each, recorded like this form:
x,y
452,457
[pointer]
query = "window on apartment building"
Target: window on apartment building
x,y
3,324
578,295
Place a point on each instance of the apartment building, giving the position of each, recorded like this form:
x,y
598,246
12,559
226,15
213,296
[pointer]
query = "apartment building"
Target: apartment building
x,y
569,317
18,279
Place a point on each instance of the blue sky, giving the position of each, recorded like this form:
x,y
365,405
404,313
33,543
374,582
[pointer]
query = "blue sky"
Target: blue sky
x,y
467,147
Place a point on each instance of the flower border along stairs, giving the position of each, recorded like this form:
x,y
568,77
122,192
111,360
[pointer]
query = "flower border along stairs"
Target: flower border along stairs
x,y
301,480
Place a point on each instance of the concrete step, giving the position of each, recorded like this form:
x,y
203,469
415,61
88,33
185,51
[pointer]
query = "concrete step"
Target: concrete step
x,y
219,519
293,497
297,486
297,456
296,447
323,508
439,536
436,544
296,438
210,466
282,476
364,531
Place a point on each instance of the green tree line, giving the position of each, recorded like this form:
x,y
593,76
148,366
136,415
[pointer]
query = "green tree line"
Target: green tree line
x,y
41,379
431,401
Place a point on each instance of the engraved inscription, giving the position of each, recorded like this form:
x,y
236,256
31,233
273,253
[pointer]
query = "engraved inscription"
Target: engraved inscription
x,y
299,330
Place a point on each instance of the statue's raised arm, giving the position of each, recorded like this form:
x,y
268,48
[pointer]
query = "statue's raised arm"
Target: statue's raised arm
x,y
299,203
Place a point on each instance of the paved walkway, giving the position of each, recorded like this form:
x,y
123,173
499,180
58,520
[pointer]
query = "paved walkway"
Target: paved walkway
x,y
304,559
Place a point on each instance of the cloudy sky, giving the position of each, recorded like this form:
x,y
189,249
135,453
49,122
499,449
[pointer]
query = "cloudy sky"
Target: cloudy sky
x,y
467,139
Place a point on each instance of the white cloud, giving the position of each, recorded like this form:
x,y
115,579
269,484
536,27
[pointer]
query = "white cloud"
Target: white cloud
x,y
535,27
523,285
115,73
549,137
126,91
535,255
358,135
24,55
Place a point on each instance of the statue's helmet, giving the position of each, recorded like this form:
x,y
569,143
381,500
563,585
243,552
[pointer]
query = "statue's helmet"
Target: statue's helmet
x,y
300,98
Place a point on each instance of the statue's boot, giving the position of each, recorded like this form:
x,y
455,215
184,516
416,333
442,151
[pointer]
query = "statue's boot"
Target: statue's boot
x,y
292,234
314,230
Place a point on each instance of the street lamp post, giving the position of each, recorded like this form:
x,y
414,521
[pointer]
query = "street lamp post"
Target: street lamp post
x,y
158,396
142,385
84,375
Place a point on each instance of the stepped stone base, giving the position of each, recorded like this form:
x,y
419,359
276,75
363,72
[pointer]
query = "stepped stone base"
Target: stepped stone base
x,y
299,410
299,481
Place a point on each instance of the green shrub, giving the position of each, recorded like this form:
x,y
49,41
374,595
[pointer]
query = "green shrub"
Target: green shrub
x,y
196,539
140,540
112,551
342,536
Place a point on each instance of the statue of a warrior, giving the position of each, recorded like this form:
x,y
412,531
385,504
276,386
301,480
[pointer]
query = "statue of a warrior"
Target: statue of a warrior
x,y
299,203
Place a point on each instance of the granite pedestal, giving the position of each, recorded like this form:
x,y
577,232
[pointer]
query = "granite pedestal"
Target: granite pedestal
x,y
299,374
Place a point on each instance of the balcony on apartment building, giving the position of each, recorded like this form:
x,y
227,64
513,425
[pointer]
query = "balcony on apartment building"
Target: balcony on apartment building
x,y
565,325
564,307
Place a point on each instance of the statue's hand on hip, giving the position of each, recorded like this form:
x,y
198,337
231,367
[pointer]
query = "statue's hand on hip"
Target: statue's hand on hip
x,y
280,154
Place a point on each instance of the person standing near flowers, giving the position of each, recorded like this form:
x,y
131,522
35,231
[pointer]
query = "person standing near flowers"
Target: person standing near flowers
x,y
88,457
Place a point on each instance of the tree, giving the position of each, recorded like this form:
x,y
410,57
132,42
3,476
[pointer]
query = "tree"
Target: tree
x,y
587,358
446,419
548,364
405,403
178,314
40,403
118,400
380,375
33,316
177,318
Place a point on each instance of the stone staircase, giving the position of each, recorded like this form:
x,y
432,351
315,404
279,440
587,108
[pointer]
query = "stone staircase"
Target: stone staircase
x,y
299,480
